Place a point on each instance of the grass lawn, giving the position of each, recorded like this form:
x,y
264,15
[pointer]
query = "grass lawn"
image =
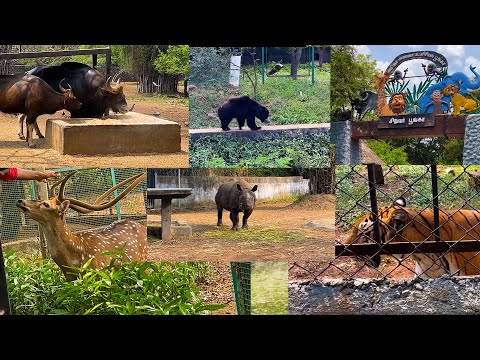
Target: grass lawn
x,y
269,288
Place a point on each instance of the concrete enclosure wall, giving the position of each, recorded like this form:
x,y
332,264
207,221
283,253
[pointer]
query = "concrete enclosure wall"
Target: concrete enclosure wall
x,y
376,297
205,187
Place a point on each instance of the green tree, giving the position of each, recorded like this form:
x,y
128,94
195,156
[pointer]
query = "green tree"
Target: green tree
x,y
87,59
452,153
352,73
210,66
388,153
421,151
139,60
174,62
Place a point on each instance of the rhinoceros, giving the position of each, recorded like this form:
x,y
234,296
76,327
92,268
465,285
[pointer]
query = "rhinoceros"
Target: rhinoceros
x,y
236,196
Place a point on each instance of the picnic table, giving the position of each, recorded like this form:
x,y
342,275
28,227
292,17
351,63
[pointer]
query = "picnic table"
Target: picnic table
x,y
166,195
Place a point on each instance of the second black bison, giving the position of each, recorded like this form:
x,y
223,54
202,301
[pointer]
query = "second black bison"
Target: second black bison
x,y
236,196
242,108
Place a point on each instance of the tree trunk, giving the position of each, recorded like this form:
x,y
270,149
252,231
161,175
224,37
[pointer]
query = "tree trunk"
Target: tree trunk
x,y
145,84
321,51
296,56
167,84
185,87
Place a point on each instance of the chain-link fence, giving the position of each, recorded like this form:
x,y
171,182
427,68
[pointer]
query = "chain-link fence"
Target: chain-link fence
x,y
14,224
403,222
242,274
86,185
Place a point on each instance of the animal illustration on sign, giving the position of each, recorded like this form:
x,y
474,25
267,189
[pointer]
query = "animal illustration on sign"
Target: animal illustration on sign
x,y
396,105
459,79
437,102
459,101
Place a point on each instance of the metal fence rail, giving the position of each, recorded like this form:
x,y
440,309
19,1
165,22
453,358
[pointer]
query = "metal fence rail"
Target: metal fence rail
x,y
437,233
14,225
242,274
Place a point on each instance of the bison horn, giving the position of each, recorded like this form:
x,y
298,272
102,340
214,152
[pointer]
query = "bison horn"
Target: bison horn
x,y
61,87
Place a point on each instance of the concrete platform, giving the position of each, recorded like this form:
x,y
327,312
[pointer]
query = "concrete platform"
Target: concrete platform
x,y
179,230
130,133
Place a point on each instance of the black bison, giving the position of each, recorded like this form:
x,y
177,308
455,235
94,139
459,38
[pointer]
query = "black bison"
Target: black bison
x,y
236,196
89,85
31,96
367,103
242,108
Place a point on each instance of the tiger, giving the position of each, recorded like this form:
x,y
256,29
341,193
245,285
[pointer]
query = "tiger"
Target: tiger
x,y
399,223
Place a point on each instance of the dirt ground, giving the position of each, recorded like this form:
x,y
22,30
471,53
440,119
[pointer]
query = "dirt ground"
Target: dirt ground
x,y
301,230
218,289
15,152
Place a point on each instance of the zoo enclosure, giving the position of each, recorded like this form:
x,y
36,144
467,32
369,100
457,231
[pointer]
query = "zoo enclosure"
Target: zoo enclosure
x,y
360,194
205,182
85,186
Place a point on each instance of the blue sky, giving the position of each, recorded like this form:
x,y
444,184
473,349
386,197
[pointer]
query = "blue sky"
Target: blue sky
x,y
459,57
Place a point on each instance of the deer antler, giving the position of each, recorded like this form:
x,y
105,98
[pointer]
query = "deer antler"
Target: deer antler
x,y
86,208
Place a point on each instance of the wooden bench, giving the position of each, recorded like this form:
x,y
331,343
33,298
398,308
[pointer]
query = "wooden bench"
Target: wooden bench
x,y
166,195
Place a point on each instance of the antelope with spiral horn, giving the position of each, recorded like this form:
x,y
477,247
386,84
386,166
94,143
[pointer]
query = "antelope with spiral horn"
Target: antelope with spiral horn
x,y
73,249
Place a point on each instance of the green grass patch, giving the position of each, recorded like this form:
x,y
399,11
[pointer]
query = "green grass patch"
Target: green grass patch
x,y
269,288
37,287
274,151
273,235
283,199
159,99
293,101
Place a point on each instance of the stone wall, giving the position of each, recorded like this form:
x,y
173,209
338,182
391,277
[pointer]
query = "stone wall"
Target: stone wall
x,y
459,295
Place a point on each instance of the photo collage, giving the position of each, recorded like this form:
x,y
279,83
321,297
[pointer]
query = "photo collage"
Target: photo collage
x,y
184,180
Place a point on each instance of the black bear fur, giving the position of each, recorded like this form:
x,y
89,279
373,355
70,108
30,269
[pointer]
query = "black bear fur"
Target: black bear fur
x,y
242,108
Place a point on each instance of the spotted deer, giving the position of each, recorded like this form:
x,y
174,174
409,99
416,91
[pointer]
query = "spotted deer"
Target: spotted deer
x,y
73,249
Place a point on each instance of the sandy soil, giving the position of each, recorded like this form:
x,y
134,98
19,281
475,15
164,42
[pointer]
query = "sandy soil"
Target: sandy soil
x,y
15,152
278,232
218,289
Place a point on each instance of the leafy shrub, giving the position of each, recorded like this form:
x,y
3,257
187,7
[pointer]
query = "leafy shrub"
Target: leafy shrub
x,y
209,66
304,150
389,155
37,286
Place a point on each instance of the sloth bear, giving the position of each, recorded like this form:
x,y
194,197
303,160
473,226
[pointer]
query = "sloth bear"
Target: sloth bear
x,y
242,108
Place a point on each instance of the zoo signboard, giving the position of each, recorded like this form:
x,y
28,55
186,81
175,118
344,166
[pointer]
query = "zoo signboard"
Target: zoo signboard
x,y
406,121
433,91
